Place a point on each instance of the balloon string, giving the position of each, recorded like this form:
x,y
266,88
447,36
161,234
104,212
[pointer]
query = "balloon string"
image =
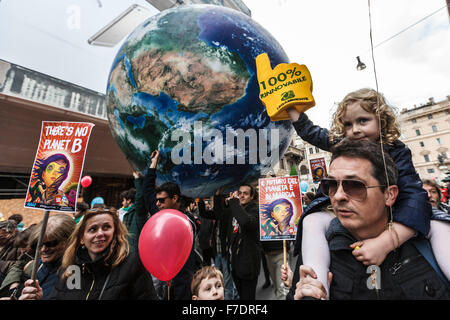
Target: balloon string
x,y
168,290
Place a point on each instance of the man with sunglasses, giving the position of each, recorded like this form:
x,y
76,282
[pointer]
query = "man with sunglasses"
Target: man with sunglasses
x,y
168,196
361,193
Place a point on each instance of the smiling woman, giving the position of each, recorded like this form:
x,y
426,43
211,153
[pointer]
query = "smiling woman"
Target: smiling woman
x,y
97,263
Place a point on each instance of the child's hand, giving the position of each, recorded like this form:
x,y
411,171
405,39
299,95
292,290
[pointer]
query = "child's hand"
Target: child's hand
x,y
286,274
371,251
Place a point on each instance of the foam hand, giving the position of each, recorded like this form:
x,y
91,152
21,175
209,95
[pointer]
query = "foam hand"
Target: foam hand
x,y
285,86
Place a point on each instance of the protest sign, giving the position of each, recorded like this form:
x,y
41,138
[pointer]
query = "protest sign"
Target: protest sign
x,y
58,166
318,169
280,207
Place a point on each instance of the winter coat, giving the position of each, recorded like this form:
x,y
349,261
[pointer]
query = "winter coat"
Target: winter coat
x,y
180,285
243,235
411,208
223,221
127,281
351,273
136,217
405,273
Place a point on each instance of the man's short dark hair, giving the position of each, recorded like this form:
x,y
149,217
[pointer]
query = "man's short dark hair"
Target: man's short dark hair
x,y
252,189
370,151
82,206
171,188
434,185
129,194
16,217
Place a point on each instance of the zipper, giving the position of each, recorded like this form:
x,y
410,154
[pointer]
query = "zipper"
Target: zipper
x,y
92,285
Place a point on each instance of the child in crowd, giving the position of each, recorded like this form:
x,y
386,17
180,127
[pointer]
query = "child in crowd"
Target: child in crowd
x,y
207,284
365,115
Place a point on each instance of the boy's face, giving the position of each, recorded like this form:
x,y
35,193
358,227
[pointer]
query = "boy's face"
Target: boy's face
x,y
210,289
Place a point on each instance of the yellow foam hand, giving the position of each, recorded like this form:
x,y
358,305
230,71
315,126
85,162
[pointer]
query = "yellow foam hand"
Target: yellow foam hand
x,y
285,86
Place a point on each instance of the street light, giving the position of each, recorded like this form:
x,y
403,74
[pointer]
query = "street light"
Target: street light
x,y
361,65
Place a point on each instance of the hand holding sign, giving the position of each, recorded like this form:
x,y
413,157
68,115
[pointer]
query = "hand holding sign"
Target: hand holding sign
x,y
286,86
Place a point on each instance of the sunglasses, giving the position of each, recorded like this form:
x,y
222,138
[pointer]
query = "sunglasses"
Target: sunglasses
x,y
48,244
355,189
162,200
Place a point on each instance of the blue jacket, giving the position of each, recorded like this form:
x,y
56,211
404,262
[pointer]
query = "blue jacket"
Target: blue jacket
x,y
47,275
411,208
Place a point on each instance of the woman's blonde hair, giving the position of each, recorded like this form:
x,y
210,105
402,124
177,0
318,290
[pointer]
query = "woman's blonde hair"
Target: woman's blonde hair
x,y
118,250
373,102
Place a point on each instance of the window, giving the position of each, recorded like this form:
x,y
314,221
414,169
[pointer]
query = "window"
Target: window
x,y
430,116
422,144
430,170
434,128
417,132
413,120
438,140
311,151
304,170
282,164
317,150
427,158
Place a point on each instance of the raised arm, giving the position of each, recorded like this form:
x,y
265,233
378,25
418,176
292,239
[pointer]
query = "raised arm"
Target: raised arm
x,y
149,185
309,132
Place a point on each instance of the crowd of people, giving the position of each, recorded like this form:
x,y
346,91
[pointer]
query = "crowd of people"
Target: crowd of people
x,y
372,210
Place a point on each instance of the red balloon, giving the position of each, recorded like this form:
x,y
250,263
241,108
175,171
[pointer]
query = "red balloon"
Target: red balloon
x,y
86,181
165,243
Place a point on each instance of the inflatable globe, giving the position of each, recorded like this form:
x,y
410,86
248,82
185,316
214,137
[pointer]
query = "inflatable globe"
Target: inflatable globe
x,y
184,83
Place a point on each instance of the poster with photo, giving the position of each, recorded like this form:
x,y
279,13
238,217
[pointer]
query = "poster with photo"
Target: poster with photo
x,y
318,169
58,165
280,208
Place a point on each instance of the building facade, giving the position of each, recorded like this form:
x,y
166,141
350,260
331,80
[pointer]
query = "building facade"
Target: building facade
x,y
426,131
299,154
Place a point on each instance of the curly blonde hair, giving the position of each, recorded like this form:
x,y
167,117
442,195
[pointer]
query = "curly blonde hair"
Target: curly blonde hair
x,y
371,101
118,250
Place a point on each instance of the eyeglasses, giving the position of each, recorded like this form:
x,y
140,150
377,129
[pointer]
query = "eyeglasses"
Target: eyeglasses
x,y
355,189
162,200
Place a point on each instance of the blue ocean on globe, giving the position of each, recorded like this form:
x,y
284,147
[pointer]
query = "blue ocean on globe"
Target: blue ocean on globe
x,y
195,64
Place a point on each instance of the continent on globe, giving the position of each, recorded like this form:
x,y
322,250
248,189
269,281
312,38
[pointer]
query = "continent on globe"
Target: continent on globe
x,y
187,78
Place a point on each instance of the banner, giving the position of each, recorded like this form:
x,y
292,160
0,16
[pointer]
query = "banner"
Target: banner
x,y
280,208
58,165
318,169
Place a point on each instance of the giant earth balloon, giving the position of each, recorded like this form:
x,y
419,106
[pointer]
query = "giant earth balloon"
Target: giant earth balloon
x,y
184,82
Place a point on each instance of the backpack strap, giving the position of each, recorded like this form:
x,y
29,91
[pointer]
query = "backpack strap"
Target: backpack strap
x,y
424,247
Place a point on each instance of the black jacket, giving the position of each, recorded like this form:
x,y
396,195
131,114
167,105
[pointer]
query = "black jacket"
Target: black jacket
x,y
404,274
128,281
243,235
180,285
223,221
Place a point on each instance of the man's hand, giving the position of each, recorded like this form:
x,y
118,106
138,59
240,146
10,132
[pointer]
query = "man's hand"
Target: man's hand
x,y
231,196
137,174
155,157
31,291
288,85
308,286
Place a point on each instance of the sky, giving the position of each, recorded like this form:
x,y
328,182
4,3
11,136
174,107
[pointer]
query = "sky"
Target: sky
x,y
50,36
